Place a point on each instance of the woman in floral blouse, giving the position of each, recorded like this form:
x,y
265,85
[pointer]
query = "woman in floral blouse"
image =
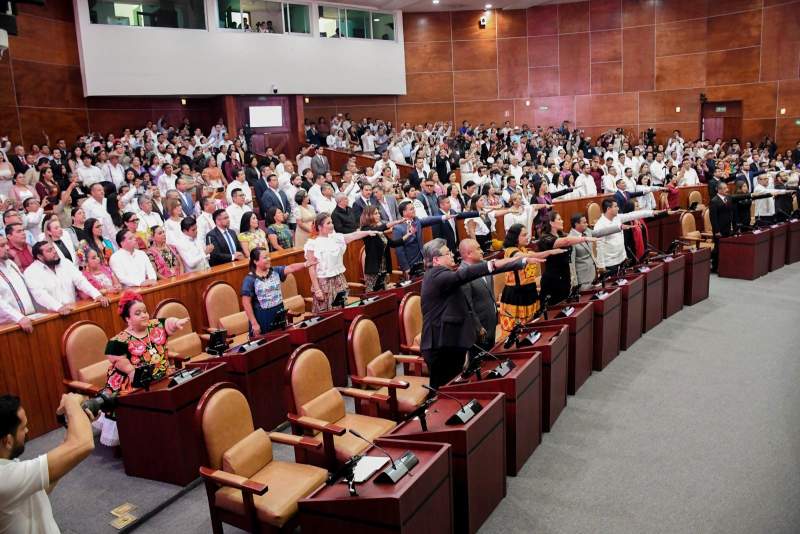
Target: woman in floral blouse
x,y
165,258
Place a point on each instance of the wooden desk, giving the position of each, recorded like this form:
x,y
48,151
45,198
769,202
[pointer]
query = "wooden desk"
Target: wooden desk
x,y
632,286
698,273
580,323
574,205
479,454
607,322
553,345
399,291
793,241
157,428
670,230
259,374
31,366
744,256
338,158
421,501
777,246
523,398
685,190
653,295
674,279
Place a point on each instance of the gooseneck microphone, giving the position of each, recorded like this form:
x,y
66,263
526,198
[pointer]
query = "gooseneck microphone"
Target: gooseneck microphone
x,y
443,394
359,436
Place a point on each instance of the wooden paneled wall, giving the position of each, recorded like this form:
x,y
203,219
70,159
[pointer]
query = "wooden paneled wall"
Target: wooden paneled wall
x,y
41,87
599,64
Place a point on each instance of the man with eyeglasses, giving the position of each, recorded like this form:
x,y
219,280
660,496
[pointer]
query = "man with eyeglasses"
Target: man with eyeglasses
x,y
449,324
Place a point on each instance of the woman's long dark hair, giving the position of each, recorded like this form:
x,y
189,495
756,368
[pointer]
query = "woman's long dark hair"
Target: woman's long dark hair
x,y
512,236
90,240
255,255
244,225
547,225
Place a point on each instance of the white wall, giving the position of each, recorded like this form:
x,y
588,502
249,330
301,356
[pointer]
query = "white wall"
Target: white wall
x,y
134,61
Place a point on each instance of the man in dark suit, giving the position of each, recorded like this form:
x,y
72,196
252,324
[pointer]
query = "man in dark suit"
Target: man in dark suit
x,y
429,199
443,165
480,294
418,174
386,204
446,229
448,324
721,213
272,196
410,253
364,199
226,245
319,163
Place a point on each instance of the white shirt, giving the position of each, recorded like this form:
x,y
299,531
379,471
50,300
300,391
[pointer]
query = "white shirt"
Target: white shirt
x,y
90,175
525,218
10,311
53,288
764,207
95,210
611,248
236,212
380,165
67,241
419,209
689,177
172,229
24,505
148,220
205,223
114,174
368,142
132,269
515,171
326,205
245,187
585,186
166,183
329,252
610,183
658,171
192,252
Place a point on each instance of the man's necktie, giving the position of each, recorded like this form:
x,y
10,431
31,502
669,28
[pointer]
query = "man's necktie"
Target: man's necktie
x,y
228,240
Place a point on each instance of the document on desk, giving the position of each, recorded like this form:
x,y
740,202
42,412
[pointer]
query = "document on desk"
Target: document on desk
x,y
368,466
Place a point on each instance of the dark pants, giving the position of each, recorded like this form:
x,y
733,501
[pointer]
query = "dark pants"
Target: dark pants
x,y
444,364
614,269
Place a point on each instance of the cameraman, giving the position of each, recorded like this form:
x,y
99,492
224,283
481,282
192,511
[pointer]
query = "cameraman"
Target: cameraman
x,y
24,506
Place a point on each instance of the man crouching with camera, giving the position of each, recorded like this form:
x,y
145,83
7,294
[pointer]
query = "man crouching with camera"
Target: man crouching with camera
x,y
24,485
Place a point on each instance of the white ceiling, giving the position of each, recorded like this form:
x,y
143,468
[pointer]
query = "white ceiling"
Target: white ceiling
x,y
413,6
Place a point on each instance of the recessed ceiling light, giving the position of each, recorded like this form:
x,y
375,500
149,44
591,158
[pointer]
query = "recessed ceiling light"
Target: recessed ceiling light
x,y
376,20
488,6
677,109
527,102
435,2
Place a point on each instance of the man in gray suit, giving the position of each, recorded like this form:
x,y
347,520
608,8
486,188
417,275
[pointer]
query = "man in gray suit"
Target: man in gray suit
x,y
384,199
480,294
583,262
319,163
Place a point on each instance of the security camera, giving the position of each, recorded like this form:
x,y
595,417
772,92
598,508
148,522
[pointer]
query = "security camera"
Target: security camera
x,y
274,89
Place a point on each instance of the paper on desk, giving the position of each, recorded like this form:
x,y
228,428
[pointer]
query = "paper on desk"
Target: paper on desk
x,y
367,466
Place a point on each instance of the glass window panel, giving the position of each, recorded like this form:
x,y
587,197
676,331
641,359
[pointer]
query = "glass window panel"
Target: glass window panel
x,y
358,24
264,17
297,18
383,26
328,21
159,13
229,12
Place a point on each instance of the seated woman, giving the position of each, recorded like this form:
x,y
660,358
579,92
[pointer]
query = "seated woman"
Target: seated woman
x,y
130,220
143,341
251,236
164,257
278,232
262,299
99,275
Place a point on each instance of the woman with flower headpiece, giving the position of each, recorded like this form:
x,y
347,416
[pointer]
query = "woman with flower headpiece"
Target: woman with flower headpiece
x,y
144,341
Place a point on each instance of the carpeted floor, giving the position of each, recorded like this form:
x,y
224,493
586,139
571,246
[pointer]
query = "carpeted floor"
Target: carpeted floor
x,y
696,428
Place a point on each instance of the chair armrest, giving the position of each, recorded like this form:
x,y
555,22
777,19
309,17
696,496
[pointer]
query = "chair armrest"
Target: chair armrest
x,y
364,394
312,423
298,441
707,235
690,238
230,480
178,357
379,382
408,358
84,388
205,337
409,348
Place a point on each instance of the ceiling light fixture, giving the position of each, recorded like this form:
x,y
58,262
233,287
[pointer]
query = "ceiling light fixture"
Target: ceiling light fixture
x,y
677,109
783,111
488,6
435,2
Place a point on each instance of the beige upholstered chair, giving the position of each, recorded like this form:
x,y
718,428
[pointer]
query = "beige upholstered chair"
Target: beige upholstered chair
x,y
695,196
83,348
691,235
316,407
185,342
410,322
222,311
593,213
245,486
293,301
373,368
707,228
